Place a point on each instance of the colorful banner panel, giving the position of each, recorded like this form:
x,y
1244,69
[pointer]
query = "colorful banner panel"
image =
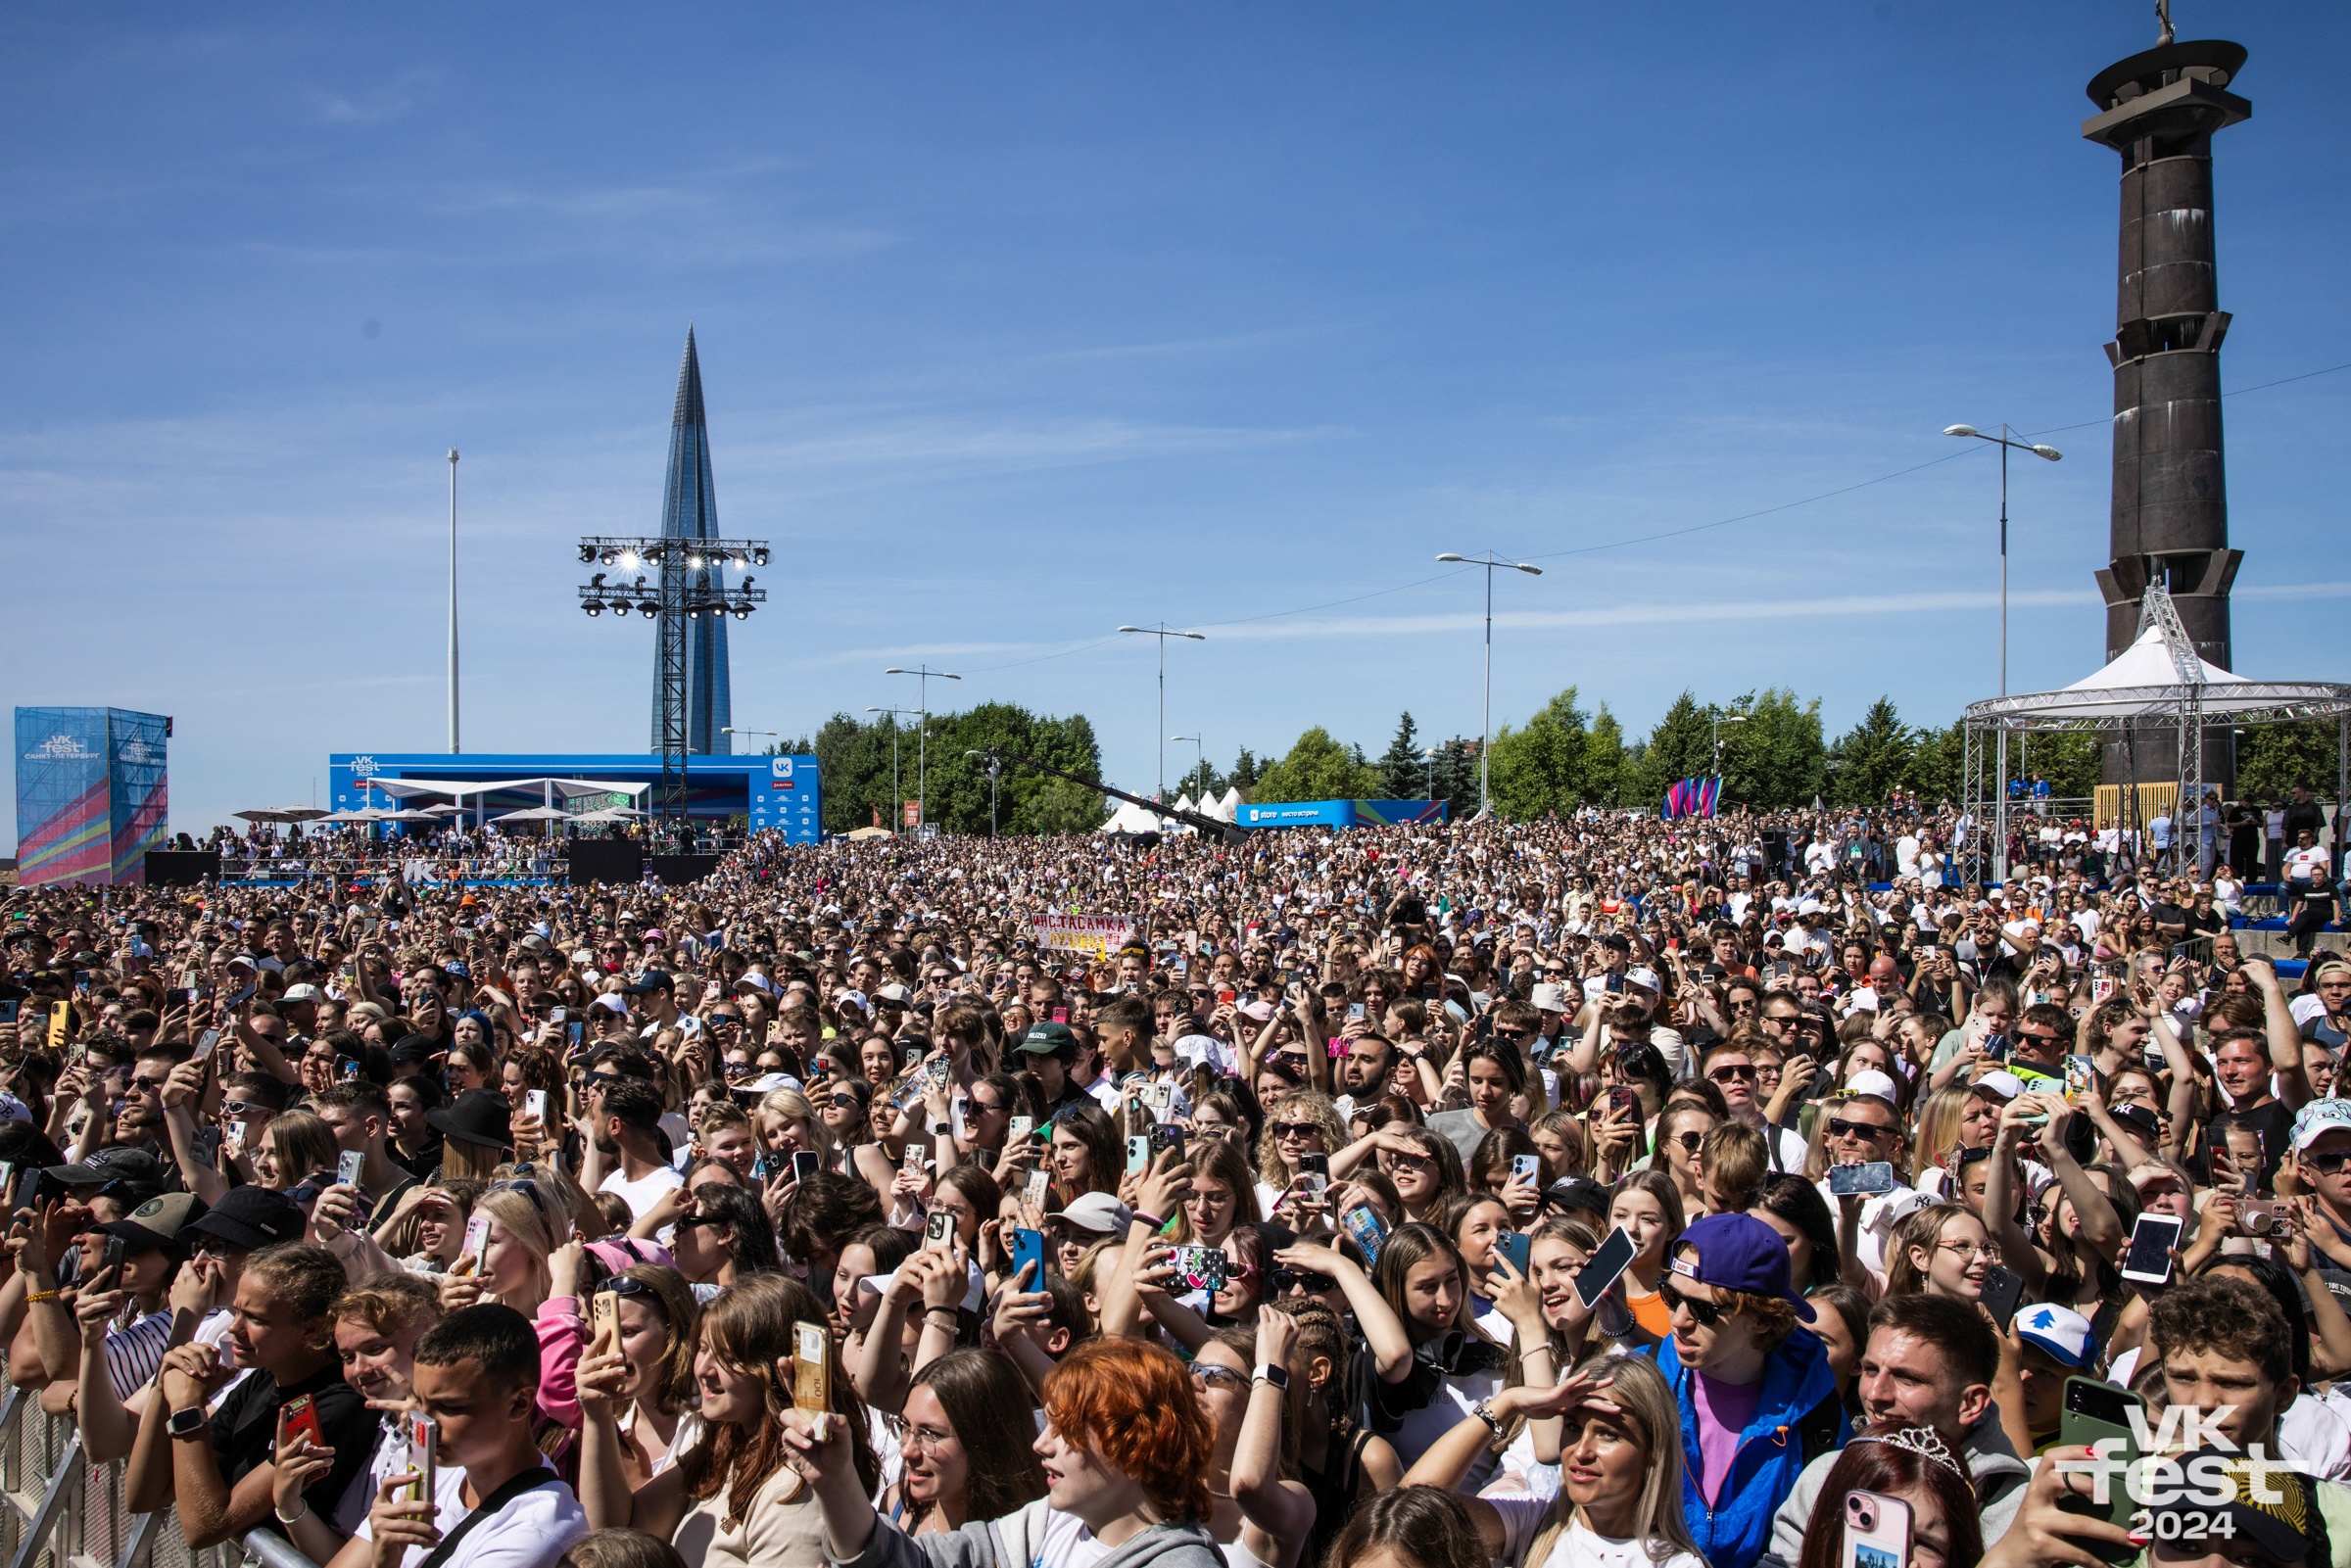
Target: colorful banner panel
x,y
92,795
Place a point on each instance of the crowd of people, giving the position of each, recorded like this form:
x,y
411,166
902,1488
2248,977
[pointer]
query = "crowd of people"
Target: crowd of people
x,y
1558,1195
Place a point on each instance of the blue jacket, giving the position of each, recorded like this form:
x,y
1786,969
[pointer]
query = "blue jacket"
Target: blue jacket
x,y
1771,1452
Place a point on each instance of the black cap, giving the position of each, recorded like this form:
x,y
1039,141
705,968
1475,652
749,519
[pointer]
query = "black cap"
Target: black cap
x,y
252,1217
1577,1193
479,1115
111,1165
415,1048
652,981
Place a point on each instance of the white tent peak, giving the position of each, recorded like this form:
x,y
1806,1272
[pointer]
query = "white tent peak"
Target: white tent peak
x,y
2148,661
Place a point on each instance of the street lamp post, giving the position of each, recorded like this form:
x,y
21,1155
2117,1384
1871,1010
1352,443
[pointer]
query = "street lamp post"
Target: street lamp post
x,y
452,601
1199,756
1162,631
898,796
1999,848
925,675
730,730
1485,766
1432,772
1721,719
996,766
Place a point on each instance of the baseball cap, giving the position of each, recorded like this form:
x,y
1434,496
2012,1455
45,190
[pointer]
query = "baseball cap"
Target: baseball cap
x,y
1096,1211
1044,1039
1740,1252
2318,1118
252,1217
1875,1085
893,993
303,991
13,1109
158,1223
1195,1047
2001,1086
653,980
1577,1193
111,1165
2059,1331
1551,997
1642,977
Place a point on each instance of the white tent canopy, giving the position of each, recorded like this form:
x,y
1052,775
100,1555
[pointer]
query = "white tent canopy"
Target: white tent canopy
x,y
1130,817
567,789
2160,677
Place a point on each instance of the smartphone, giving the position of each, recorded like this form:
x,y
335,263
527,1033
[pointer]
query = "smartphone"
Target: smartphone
x,y
811,1368
1877,1531
1616,985
1041,1183
10,1007
2097,1411
1138,1153
298,1417
1363,1224
1526,1168
1061,1015
2149,1261
1020,1128
1870,1177
26,1190
111,1256
1601,1269
916,1160
2003,1294
1163,1136
204,1044
1028,1246
423,1436
349,1167
1200,1268
1354,1012
938,1231
556,1014
477,1239
1517,1246
804,1164
1623,1103
533,1105
604,1317
575,1036
2081,1077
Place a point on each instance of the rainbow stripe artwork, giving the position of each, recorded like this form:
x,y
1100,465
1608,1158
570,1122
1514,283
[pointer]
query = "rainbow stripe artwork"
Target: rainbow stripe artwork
x,y
1692,797
92,794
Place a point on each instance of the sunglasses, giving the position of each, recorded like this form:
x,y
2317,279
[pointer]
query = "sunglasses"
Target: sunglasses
x,y
1707,1314
623,1285
1728,1073
2327,1164
1691,1141
1295,1130
1839,1128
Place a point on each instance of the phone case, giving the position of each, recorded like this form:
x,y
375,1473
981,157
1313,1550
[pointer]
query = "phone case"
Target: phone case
x,y
1040,1183
424,1438
477,1237
606,1308
1028,1246
811,1368
349,1167
938,1231
300,1417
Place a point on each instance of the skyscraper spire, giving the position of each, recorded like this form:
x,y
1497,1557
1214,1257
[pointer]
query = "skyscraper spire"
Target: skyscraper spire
x,y
690,510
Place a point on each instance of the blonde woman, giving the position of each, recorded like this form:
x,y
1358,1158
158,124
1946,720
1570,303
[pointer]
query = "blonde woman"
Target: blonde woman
x,y
527,1223
1301,1122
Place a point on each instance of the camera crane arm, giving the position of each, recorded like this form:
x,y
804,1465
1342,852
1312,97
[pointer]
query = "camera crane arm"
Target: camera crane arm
x,y
1224,830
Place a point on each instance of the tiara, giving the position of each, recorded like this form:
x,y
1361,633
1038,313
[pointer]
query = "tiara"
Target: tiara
x,y
1923,1441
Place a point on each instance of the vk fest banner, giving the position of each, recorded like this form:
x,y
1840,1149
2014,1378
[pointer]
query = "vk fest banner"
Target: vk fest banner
x,y
788,798
92,797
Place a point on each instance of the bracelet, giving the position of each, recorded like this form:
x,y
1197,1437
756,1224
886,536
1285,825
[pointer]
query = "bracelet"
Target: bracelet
x,y
1141,1218
301,1507
954,1318
1483,1409
35,1297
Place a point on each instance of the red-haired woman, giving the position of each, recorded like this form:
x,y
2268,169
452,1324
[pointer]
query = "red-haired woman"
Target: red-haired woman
x,y
1126,1450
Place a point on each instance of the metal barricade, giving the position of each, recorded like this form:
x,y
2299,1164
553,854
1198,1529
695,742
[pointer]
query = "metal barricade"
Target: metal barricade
x,y
59,1511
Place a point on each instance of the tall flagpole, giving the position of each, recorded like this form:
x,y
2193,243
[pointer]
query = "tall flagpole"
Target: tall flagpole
x,y
454,747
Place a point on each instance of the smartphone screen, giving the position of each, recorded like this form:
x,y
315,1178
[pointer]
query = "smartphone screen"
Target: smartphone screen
x,y
2149,1261
804,1164
1870,1177
1616,1253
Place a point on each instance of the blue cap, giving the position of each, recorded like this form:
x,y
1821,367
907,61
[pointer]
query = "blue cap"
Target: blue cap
x,y
1740,1252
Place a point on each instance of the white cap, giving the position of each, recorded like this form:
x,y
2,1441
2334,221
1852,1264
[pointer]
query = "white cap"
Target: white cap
x,y
1551,997
1875,1085
2001,1086
1645,978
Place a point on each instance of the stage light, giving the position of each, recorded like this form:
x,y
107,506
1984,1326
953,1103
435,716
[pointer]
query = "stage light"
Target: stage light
x,y
748,581
594,607
694,561
630,560
649,610
586,553
743,612
598,581
759,556
693,612
609,557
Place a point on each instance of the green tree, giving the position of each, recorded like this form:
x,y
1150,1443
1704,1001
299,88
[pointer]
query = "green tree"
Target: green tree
x,y
1404,771
1058,806
1606,761
854,760
1681,746
1319,767
2071,763
1782,759
1456,774
1872,759
1541,768
1246,771
2272,758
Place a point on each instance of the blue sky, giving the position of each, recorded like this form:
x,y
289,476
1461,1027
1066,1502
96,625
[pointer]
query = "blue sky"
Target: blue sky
x,y
1021,321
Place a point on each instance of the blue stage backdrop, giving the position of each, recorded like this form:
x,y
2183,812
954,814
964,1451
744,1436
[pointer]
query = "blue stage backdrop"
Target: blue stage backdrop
x,y
780,792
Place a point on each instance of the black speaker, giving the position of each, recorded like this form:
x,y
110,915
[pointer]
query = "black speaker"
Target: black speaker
x,y
1775,851
605,859
677,870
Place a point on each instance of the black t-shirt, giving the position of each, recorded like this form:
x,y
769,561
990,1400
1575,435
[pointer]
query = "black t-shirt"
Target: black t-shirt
x,y
244,1432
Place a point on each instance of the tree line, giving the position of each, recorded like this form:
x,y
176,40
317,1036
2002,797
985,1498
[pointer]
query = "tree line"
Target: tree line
x,y
1775,754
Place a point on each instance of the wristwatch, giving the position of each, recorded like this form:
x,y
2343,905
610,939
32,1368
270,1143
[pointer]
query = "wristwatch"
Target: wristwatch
x,y
187,1423
941,1129
1276,1374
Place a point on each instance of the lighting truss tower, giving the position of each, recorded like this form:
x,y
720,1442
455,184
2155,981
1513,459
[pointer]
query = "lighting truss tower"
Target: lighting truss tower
x,y
677,585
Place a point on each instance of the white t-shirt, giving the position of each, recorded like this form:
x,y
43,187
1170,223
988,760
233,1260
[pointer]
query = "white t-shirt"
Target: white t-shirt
x,y
1067,1542
531,1531
1576,1546
647,1190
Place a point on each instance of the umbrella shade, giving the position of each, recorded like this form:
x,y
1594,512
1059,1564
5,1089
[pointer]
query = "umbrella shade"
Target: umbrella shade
x,y
535,814
609,814
444,809
408,816
283,814
363,814
867,833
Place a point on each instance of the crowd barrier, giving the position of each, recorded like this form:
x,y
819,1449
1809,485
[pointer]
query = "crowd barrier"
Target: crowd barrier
x,y
64,1512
